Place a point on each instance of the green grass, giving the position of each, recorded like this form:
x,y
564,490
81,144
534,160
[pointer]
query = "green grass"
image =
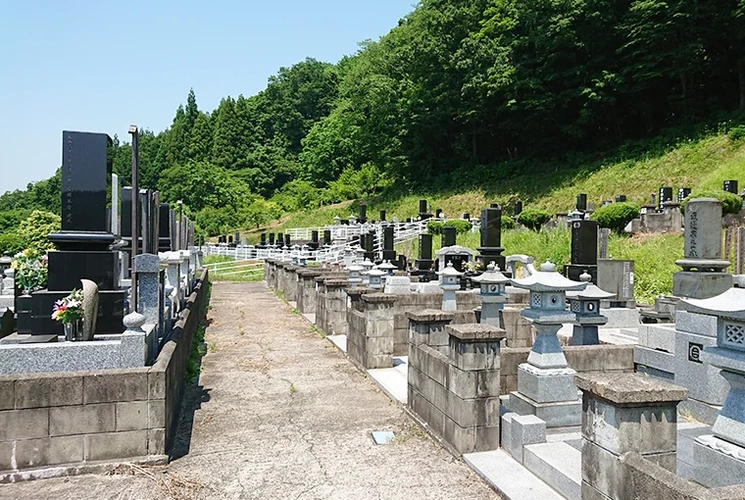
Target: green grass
x,y
631,170
224,276
654,255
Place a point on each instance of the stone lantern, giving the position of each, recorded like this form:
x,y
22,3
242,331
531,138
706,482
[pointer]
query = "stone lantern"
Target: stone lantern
x,y
355,277
586,307
375,278
303,257
352,220
545,384
720,456
450,283
367,265
387,267
493,293
337,221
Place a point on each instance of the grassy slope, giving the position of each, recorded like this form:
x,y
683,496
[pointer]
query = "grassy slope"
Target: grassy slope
x,y
698,164
703,163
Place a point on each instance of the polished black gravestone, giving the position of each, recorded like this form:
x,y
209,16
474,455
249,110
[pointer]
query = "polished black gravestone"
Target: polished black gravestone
x,y
584,250
314,242
83,242
423,213
370,246
620,198
581,202
665,194
448,236
517,209
280,240
683,193
491,237
287,240
271,239
363,214
424,262
164,228
382,216
388,252
327,237
730,186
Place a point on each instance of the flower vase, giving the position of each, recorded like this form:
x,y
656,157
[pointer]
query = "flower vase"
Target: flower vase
x,y
73,331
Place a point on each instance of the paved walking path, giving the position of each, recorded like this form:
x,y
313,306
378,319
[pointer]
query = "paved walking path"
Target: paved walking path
x,y
279,413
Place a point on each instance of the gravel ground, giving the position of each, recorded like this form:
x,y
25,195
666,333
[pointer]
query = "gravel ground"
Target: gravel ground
x,y
279,413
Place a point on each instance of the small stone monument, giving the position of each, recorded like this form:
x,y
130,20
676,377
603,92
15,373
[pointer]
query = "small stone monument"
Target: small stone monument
x,y
703,275
456,255
375,278
90,308
585,305
355,277
720,456
491,236
493,285
545,384
450,283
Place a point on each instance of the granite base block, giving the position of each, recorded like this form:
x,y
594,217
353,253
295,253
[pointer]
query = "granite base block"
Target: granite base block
x,y
703,381
702,324
128,350
546,386
110,311
621,317
561,414
714,468
700,285
699,411
658,360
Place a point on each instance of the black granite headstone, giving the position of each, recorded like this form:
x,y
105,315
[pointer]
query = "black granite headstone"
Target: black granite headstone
x,y
287,240
230,239
424,262
448,236
518,208
665,194
584,256
314,237
164,228
620,198
382,216
388,241
683,193
422,206
272,239
466,216
438,212
581,202
327,236
363,213
491,237
731,186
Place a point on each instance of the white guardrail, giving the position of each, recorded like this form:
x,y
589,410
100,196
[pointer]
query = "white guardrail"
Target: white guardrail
x,y
341,239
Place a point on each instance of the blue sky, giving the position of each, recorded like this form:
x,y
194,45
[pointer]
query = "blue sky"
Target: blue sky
x,y
99,66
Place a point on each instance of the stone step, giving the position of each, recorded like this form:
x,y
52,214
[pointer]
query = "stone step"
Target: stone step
x,y
508,477
558,464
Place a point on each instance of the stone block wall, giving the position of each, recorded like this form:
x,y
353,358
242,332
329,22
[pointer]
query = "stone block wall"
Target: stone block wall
x,y
466,301
582,358
453,379
331,305
370,328
53,419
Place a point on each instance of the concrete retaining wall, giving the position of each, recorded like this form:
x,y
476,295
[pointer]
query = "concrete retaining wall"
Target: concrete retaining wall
x,y
75,417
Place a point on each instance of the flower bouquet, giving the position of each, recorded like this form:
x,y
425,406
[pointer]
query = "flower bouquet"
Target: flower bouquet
x,y
69,311
31,270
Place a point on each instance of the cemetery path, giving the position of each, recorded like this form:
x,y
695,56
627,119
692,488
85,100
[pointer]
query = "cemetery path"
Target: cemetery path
x,y
279,413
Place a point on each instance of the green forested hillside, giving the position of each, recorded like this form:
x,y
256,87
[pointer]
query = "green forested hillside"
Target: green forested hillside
x,y
487,99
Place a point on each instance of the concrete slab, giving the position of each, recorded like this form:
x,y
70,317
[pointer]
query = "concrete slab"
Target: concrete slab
x,y
392,382
310,317
558,464
339,341
508,477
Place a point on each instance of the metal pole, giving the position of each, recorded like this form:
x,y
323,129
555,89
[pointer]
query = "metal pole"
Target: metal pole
x,y
135,211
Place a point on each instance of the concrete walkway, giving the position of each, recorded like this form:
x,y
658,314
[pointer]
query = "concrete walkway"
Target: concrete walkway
x,y
279,413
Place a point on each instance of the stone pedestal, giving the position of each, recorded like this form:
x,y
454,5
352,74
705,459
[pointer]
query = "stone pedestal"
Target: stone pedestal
x,y
700,285
624,413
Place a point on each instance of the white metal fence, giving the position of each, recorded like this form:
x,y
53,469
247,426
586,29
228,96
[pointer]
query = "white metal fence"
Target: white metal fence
x,y
341,236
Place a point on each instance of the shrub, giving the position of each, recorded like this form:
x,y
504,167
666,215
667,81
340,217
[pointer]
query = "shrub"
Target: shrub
x,y
12,242
731,203
434,227
461,226
37,227
616,215
737,133
533,218
508,222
